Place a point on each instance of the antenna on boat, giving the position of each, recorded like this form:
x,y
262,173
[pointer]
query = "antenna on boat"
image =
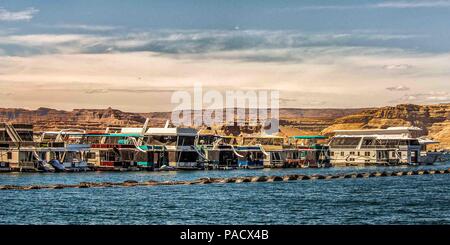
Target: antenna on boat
x,y
167,124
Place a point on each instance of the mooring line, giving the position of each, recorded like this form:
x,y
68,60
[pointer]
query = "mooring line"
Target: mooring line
x,y
245,179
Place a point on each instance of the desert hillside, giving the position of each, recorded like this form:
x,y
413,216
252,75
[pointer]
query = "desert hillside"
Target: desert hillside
x,y
311,120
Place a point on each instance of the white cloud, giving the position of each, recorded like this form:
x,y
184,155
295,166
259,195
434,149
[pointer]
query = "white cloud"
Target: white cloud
x,y
51,43
194,42
398,88
24,15
431,97
387,4
94,28
397,67
47,39
415,4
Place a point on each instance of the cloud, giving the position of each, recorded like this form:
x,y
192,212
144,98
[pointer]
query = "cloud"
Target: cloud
x,y
144,80
398,88
24,15
129,90
381,5
414,4
49,39
6,94
94,28
249,45
397,67
144,67
287,101
432,97
35,44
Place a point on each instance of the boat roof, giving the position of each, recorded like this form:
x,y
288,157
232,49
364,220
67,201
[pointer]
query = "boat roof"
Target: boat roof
x,y
308,137
425,141
172,131
113,135
377,132
131,130
377,136
263,136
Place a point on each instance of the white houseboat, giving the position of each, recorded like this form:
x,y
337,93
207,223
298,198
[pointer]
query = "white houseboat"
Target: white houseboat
x,y
391,146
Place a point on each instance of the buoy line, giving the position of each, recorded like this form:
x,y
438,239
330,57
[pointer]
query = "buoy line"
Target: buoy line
x,y
245,179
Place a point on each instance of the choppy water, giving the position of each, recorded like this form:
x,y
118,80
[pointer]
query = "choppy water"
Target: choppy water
x,y
388,200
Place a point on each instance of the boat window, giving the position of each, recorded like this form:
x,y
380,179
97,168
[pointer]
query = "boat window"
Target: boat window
x,y
4,137
92,140
345,142
229,141
71,156
276,156
108,156
259,155
207,139
187,156
116,140
368,142
141,157
90,155
26,135
186,140
162,140
127,155
25,156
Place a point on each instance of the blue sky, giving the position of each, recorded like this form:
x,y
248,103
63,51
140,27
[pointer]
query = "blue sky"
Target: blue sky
x,y
91,52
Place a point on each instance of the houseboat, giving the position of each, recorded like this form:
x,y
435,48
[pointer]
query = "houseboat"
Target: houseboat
x,y
19,151
70,157
391,146
250,155
218,150
111,151
271,147
174,148
427,156
309,152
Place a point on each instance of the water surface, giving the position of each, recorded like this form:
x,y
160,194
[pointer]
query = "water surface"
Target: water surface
x,y
387,200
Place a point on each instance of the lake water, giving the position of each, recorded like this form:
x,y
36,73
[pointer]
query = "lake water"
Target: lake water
x,y
386,200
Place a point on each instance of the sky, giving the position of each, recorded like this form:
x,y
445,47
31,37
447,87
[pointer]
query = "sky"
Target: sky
x,y
132,55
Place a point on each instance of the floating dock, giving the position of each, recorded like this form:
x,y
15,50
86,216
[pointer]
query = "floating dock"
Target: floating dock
x,y
245,179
